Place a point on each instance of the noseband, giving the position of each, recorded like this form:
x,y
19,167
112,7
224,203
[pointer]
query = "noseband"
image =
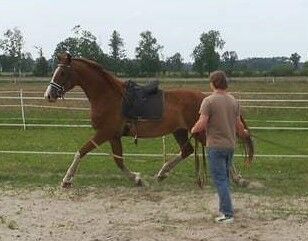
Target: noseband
x,y
60,90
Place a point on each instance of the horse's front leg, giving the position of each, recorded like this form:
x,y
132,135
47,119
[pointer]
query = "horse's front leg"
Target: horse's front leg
x,y
89,146
181,136
117,150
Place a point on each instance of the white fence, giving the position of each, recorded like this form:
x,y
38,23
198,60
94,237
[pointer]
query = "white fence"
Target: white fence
x,y
20,96
136,154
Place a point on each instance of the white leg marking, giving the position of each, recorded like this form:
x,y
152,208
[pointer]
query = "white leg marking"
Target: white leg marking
x,y
68,178
168,166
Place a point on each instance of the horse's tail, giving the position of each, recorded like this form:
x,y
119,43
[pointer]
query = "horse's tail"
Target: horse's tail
x,y
248,144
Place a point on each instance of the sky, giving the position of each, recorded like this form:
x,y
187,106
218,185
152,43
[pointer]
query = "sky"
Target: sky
x,y
252,28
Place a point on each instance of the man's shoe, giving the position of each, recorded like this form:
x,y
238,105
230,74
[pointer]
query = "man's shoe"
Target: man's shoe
x,y
224,219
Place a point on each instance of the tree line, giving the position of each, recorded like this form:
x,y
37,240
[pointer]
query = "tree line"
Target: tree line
x,y
147,61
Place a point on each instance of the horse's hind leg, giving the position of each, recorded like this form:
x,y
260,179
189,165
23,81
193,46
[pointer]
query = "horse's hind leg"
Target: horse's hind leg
x,y
181,136
117,150
89,146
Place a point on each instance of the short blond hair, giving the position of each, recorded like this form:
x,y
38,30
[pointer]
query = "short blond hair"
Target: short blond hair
x,y
219,79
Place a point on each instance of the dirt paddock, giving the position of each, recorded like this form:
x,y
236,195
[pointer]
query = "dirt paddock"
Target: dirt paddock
x,y
145,214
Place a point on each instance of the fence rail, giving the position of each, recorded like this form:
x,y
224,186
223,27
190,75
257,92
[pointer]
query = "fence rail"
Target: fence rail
x,y
25,125
21,97
137,154
22,105
85,99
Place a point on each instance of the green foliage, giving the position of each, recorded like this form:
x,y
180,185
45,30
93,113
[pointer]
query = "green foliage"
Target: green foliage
x,y
117,53
131,67
41,64
260,64
116,46
82,44
228,61
305,69
295,57
12,45
40,67
147,53
205,55
282,70
174,63
8,63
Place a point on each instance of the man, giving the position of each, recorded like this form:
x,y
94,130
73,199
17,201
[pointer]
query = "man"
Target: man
x,y
220,118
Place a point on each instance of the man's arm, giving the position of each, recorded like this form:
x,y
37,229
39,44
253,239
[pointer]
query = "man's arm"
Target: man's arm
x,y
201,124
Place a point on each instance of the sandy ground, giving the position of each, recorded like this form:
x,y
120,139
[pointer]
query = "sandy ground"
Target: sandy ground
x,y
145,214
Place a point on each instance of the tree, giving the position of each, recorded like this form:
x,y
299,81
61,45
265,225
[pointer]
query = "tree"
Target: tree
x,y
82,44
205,55
116,46
116,51
260,64
147,53
175,63
41,64
27,62
229,59
12,45
131,67
295,57
305,69
282,70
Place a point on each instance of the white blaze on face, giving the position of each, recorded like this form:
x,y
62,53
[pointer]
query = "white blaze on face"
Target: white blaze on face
x,y
47,92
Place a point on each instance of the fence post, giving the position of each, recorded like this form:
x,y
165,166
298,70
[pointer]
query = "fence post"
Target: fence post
x,y
164,149
22,109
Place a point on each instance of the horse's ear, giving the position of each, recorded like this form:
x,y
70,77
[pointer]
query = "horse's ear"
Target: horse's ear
x,y
59,56
64,57
68,57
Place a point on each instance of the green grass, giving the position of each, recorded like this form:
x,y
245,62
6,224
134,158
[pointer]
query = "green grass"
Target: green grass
x,y
279,176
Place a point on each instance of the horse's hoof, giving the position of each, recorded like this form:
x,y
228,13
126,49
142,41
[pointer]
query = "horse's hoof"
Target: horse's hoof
x,y
200,183
66,185
243,183
161,177
139,183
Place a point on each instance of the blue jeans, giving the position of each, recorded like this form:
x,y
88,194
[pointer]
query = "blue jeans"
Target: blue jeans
x,y
220,161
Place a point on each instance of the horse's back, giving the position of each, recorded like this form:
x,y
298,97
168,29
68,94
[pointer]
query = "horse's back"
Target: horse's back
x,y
184,104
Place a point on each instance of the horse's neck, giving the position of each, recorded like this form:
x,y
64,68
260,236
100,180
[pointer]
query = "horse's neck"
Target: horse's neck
x,y
97,88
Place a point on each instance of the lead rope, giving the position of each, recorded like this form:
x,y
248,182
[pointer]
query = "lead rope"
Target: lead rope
x,y
200,167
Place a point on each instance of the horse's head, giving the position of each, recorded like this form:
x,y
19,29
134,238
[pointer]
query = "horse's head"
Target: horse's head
x,y
63,79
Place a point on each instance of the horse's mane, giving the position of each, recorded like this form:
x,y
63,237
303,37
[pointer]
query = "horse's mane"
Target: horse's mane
x,y
111,79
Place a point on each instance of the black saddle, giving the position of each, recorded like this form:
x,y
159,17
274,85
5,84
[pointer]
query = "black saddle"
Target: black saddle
x,y
143,102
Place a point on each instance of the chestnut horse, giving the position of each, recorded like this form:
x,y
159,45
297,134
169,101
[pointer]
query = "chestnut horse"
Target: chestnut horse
x,y
105,93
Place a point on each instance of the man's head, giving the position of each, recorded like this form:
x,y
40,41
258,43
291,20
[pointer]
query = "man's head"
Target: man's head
x,y
218,79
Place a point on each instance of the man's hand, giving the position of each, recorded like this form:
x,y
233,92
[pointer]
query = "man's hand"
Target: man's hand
x,y
246,133
201,124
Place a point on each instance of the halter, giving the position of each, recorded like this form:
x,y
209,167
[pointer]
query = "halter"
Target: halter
x,y
59,88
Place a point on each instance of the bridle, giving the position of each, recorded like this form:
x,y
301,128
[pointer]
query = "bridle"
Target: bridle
x,y
60,90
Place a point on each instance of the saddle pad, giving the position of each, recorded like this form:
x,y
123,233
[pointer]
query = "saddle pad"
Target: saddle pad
x,y
138,106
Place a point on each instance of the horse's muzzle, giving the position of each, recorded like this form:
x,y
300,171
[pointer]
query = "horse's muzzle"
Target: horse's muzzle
x,y
49,96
